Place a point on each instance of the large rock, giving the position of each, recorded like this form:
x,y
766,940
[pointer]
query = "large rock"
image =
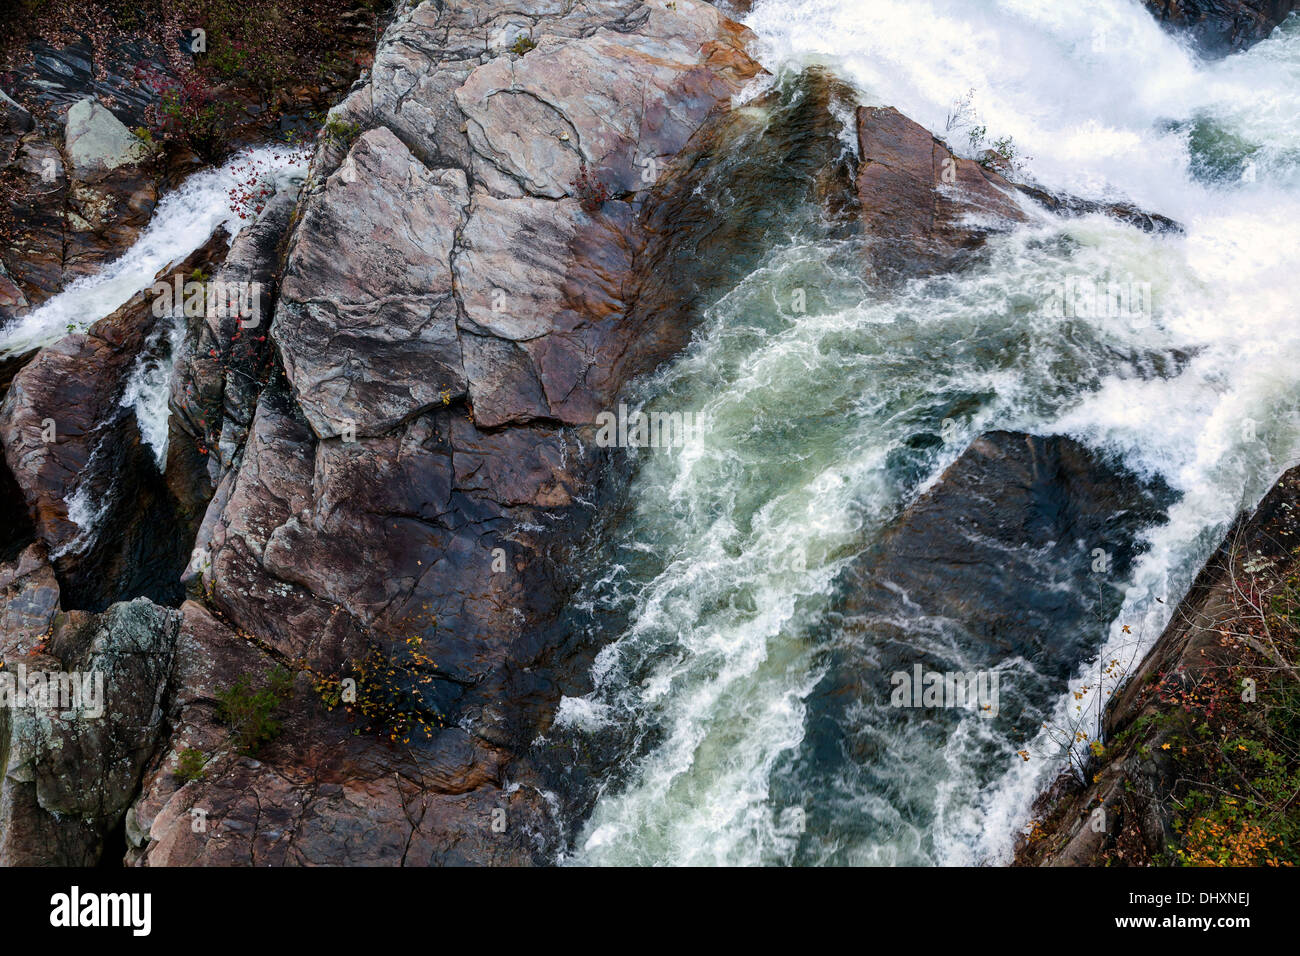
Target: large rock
x,y
29,601
224,360
1219,27
68,776
994,570
95,141
367,322
447,512
1004,545
924,209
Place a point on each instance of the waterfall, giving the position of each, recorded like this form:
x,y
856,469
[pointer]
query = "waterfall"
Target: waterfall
x,y
182,222
719,580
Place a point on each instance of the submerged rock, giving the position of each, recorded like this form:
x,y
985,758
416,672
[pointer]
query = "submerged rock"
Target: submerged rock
x,y
1003,546
995,574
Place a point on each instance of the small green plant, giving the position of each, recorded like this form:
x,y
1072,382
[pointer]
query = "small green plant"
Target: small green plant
x,y
252,713
340,132
150,145
1004,149
523,45
190,764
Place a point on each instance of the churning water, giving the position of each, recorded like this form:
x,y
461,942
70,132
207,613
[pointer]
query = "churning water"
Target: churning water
x,y
721,576
183,221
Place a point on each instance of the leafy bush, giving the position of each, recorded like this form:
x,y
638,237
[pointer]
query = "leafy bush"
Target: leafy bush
x,y
188,112
341,132
388,692
523,45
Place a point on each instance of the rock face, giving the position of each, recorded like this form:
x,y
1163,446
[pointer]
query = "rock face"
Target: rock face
x,y
367,323
30,595
224,360
66,439
453,312
1220,27
924,210
1026,512
990,570
67,775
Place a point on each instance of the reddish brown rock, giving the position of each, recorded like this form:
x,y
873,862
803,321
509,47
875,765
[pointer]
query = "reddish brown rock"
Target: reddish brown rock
x,y
924,209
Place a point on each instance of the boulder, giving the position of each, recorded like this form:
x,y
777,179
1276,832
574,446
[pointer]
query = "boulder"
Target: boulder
x,y
67,776
994,570
924,209
1220,27
367,320
421,471
29,601
95,141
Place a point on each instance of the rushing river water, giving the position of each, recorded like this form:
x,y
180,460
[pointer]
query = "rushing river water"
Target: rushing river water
x,y
182,222
713,594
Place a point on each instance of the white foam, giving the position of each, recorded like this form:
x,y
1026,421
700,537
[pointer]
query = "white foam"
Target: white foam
x,y
802,411
183,220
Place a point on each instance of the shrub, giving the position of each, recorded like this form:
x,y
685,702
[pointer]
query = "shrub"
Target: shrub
x,y
252,713
190,764
340,132
391,692
188,112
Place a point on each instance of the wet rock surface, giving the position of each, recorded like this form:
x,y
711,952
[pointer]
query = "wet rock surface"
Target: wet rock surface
x,y
1220,27
1003,545
991,570
924,209
90,484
